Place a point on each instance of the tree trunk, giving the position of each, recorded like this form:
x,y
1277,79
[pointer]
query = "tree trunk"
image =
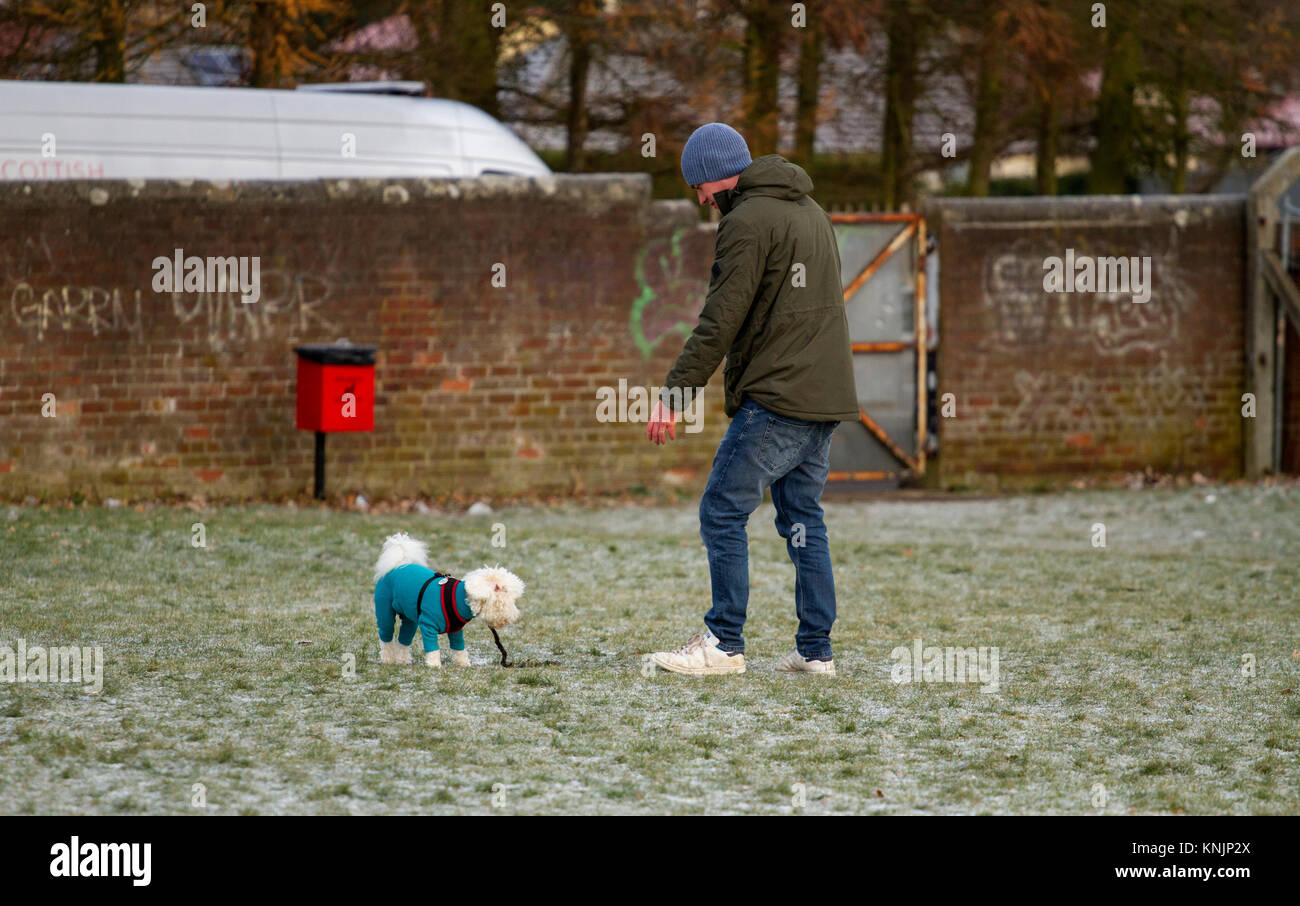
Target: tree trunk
x,y
1178,101
1182,143
763,33
1049,142
988,110
263,28
900,102
110,42
1117,126
810,59
579,64
461,59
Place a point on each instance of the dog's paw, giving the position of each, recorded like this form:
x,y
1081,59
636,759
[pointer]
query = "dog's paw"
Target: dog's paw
x,y
459,658
394,652
433,659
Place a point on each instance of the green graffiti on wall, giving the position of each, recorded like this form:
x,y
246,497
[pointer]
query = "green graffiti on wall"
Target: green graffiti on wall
x,y
669,299
670,293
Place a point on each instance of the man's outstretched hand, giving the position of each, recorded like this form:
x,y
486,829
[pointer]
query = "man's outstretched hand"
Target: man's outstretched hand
x,y
663,424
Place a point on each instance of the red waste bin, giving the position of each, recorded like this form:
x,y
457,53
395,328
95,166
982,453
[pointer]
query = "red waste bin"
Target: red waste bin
x,y
327,373
336,392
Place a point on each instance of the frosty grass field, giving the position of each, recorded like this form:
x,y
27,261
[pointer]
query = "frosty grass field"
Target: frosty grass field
x,y
1120,667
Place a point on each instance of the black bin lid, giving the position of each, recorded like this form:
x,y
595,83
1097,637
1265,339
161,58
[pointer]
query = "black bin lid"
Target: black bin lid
x,y
338,353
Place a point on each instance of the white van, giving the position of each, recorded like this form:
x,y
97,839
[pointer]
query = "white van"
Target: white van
x,y
110,131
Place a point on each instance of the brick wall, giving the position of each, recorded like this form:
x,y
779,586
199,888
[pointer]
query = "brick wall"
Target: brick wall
x,y
1056,384
486,391
480,390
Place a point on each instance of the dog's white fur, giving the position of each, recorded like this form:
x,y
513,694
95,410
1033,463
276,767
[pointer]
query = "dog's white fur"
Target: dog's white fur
x,y
492,593
400,550
394,652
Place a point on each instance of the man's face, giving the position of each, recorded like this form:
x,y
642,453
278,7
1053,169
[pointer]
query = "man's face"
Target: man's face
x,y
705,190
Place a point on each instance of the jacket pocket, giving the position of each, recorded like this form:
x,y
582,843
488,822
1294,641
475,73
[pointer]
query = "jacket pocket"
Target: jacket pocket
x,y
731,379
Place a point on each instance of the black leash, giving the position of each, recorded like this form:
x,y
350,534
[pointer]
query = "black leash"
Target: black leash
x,y
505,660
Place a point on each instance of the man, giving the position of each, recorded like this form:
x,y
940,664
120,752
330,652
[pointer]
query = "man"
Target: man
x,y
775,309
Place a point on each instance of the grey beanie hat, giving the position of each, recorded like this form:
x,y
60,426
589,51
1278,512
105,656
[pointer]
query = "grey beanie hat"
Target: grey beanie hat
x,y
714,151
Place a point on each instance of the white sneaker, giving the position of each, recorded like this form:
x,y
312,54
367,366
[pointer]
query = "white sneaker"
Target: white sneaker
x,y
795,663
700,656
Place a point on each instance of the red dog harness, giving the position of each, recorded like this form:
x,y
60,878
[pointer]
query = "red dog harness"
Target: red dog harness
x,y
450,617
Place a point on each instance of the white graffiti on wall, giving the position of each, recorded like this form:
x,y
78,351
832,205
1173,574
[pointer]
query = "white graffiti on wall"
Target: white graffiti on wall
x,y
73,307
41,302
1162,400
223,316
1022,314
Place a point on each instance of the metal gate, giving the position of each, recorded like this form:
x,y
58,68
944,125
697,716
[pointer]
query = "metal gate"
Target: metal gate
x,y
882,260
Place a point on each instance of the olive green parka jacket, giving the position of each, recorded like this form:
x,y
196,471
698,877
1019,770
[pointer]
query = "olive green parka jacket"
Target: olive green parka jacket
x,y
775,306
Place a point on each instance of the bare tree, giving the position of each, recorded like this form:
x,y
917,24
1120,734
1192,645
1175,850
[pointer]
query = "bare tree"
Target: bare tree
x,y
91,40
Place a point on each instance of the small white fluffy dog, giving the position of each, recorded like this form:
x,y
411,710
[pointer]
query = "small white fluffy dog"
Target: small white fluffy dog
x,y
435,603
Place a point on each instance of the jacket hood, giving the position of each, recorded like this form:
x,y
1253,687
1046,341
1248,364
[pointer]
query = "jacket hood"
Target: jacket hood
x,y
771,175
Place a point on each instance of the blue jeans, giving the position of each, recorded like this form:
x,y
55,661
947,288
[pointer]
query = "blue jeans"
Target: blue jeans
x,y
792,457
